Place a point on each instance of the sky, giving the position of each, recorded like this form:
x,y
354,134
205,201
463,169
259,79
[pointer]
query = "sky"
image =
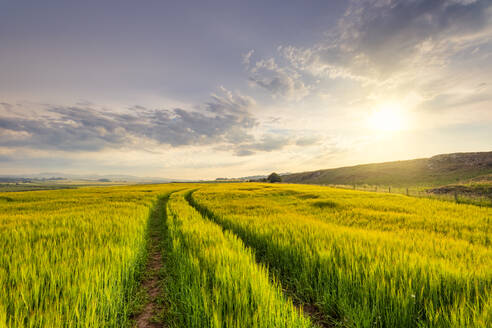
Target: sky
x,y
206,89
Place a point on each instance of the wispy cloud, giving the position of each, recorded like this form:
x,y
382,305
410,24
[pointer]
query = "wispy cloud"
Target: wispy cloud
x,y
376,39
383,47
279,81
267,143
247,57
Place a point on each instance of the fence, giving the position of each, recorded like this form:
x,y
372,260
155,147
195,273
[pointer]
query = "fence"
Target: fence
x,y
456,196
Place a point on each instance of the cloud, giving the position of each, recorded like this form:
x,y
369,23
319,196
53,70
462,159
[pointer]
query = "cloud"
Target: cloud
x,y
377,39
40,161
453,100
244,152
267,143
280,81
271,142
381,43
387,33
307,141
6,106
225,118
385,50
247,57
5,158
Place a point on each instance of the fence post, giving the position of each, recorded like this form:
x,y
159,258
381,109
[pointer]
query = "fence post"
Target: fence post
x,y
456,196
389,189
407,192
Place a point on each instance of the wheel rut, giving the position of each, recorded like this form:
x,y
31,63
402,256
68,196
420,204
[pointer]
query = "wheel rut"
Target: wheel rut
x,y
318,318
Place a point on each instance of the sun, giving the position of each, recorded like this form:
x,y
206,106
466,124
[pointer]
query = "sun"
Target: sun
x,y
388,117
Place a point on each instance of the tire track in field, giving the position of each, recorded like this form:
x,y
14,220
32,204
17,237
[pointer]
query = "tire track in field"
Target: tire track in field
x,y
150,315
312,311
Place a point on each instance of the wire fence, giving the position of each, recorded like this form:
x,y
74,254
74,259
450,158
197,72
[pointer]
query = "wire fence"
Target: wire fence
x,y
456,196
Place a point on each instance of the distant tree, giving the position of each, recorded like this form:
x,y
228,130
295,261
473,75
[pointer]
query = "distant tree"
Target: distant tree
x,y
274,177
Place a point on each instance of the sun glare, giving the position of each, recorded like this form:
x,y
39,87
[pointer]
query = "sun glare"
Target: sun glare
x,y
388,118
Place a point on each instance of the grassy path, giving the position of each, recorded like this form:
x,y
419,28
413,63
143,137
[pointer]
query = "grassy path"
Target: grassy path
x,y
150,315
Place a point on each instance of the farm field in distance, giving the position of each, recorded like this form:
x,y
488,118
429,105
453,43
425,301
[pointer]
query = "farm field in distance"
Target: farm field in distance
x,y
242,255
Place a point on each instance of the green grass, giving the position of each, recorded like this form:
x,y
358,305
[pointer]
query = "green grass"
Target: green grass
x,y
71,258
366,259
74,258
215,279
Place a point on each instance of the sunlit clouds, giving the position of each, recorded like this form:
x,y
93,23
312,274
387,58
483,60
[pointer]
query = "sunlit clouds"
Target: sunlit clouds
x,y
232,90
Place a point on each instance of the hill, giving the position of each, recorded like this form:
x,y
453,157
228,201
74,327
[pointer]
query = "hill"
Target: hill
x,y
480,186
435,171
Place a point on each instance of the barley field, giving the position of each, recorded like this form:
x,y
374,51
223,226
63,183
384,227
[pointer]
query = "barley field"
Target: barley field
x,y
244,255
71,258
